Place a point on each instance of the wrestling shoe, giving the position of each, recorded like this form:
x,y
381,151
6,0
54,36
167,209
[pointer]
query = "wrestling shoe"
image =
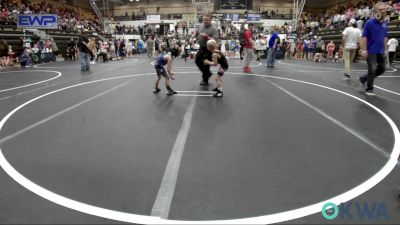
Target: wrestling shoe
x,y
156,90
171,92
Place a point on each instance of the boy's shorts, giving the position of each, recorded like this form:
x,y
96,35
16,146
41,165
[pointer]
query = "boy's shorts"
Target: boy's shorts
x,y
221,71
161,72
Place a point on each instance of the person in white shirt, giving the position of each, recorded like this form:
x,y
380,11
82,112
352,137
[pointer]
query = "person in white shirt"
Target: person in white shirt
x,y
35,49
312,25
392,46
336,20
290,49
343,18
360,24
128,49
260,46
360,13
223,48
350,41
367,13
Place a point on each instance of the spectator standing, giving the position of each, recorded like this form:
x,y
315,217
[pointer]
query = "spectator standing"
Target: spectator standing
x,y
4,52
392,46
150,47
241,40
248,48
260,47
84,52
157,45
306,45
272,45
374,46
350,41
54,47
92,48
122,49
313,47
320,45
129,48
140,45
299,48
360,24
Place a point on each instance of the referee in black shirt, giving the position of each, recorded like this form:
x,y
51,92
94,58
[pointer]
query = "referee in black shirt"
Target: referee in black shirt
x,y
203,34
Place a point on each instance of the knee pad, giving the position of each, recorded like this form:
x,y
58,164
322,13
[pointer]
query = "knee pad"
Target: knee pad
x,y
221,72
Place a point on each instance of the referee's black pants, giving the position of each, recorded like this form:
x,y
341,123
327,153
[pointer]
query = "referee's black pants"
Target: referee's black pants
x,y
202,55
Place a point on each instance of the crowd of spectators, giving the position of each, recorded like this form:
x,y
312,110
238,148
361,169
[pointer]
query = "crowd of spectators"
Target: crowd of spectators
x,y
338,18
68,18
229,34
275,14
123,29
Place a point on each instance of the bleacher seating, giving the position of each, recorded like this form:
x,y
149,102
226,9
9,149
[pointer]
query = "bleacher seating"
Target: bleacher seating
x,y
13,36
335,35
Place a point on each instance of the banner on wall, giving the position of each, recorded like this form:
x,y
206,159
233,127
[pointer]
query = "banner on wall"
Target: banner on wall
x,y
38,21
231,17
153,18
234,4
253,17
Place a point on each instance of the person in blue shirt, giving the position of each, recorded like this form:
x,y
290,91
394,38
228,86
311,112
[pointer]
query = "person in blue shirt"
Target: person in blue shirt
x,y
26,58
374,46
306,45
313,47
272,45
140,45
162,61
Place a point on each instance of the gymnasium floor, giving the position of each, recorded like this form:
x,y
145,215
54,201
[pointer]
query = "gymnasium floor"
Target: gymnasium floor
x,y
280,144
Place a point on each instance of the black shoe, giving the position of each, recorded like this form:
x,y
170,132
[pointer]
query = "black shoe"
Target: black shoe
x,y
215,89
156,90
171,92
218,94
346,76
370,92
204,83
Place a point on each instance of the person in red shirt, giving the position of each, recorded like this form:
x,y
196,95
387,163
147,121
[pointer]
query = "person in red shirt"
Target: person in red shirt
x,y
4,13
248,48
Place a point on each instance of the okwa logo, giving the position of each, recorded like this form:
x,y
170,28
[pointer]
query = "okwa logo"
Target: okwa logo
x,y
356,211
